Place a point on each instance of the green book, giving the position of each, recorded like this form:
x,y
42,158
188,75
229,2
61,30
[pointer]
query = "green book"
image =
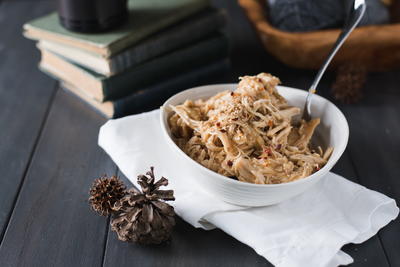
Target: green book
x,y
145,17
103,88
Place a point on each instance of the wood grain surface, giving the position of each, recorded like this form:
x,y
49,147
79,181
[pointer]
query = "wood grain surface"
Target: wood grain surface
x,y
25,97
49,158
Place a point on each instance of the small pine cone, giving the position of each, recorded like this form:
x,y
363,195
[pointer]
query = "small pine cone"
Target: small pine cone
x,y
144,217
350,79
104,193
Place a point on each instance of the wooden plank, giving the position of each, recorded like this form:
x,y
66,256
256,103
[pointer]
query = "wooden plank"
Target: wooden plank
x,y
190,247
247,54
52,224
375,146
25,95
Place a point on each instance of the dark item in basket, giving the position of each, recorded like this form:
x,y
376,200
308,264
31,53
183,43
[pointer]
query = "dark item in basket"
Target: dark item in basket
x,y
310,15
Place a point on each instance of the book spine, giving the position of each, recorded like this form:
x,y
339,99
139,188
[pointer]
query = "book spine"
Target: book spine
x,y
148,73
154,96
188,31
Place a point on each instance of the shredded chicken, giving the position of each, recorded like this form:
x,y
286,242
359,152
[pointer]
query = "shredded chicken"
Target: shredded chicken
x,y
248,134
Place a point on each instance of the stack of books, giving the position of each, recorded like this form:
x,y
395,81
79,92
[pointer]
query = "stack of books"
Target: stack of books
x,y
166,46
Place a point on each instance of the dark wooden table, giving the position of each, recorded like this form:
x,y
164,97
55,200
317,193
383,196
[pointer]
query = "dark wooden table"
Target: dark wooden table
x,y
49,158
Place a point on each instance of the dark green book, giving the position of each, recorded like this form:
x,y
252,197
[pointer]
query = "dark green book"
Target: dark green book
x,y
105,88
145,17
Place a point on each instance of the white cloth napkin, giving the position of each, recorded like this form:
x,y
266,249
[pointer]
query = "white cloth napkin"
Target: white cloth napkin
x,y
308,230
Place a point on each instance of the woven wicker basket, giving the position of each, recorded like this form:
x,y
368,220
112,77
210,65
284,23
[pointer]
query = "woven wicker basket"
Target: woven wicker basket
x,y
375,47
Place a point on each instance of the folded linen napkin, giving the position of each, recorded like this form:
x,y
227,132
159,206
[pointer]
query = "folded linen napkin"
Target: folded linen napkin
x,y
307,230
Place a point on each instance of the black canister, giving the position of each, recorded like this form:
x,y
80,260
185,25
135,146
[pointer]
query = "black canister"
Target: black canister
x,y
92,16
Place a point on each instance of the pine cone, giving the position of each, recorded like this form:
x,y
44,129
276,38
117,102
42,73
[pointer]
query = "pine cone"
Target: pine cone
x,y
143,217
104,193
350,79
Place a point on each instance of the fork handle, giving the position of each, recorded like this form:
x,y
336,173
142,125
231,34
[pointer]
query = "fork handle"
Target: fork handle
x,y
352,20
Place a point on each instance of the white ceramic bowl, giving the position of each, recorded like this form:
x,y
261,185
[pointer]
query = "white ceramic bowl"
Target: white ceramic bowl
x,y
333,131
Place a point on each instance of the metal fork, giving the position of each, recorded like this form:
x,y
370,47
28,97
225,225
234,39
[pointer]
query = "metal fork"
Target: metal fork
x,y
354,17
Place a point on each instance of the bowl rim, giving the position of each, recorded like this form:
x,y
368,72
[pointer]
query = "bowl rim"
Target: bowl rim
x,y
328,166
